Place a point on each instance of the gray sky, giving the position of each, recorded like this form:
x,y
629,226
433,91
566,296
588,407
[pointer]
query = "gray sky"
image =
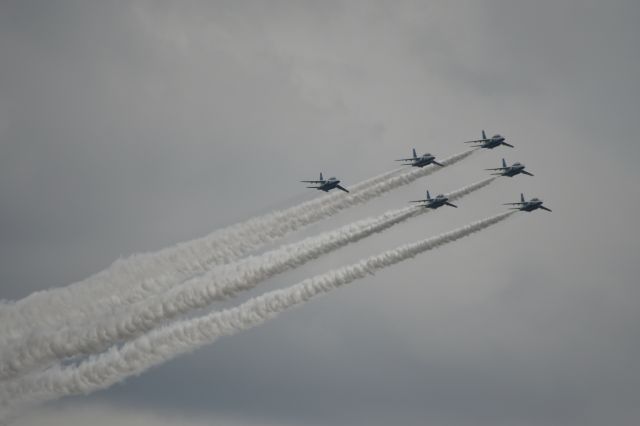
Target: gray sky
x,y
127,127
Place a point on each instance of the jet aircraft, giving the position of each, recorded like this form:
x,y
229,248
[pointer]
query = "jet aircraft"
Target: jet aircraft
x,y
490,143
434,203
423,160
528,206
512,170
325,185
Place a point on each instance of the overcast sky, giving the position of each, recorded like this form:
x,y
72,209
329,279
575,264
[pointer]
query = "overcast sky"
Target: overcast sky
x,y
131,126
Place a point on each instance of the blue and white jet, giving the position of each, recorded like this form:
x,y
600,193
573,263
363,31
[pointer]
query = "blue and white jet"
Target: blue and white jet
x,y
434,203
510,171
325,185
490,143
423,160
527,206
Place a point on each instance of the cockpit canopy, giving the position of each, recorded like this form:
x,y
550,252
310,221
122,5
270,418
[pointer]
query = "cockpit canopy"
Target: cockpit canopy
x,y
517,164
535,200
332,178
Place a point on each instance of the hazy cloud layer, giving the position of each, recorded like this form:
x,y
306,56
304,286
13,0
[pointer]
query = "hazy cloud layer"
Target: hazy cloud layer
x,y
128,127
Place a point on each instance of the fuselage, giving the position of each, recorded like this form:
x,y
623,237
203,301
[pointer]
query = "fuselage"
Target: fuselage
x,y
330,184
513,170
424,160
436,202
531,205
494,141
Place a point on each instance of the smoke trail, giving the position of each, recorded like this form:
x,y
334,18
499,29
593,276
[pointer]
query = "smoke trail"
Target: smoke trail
x,y
157,272
61,304
459,193
47,346
199,292
118,363
44,347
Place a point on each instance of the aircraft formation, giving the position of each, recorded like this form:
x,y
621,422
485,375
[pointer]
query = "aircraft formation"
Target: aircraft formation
x,y
76,352
440,200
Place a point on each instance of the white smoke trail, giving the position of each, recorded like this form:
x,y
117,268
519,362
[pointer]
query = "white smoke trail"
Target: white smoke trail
x,y
76,302
154,273
118,363
42,348
459,193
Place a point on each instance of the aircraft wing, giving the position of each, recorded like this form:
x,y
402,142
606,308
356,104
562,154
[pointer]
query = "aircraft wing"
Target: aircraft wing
x,y
406,159
341,188
418,201
526,173
544,208
452,205
438,164
512,204
509,145
499,168
478,141
314,181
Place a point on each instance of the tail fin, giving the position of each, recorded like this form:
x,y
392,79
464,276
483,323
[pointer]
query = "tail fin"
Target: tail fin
x,y
522,197
414,153
504,163
428,195
321,176
484,136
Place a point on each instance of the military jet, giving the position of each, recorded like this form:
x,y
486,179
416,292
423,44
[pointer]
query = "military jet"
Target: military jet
x,y
512,170
434,203
423,160
490,143
325,185
528,206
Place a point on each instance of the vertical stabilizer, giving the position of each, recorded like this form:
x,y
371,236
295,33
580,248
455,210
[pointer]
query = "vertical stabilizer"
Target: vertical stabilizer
x,y
484,136
414,153
522,197
428,195
321,176
504,163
